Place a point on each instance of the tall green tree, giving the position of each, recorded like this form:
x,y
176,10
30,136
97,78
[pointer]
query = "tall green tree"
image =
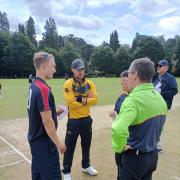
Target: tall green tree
x,y
77,42
61,41
18,56
50,36
69,52
121,60
4,22
104,43
102,60
114,42
169,48
21,28
147,46
60,69
162,40
135,41
86,51
4,41
177,56
30,30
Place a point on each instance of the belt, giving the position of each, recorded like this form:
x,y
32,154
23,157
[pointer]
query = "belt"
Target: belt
x,y
138,152
82,118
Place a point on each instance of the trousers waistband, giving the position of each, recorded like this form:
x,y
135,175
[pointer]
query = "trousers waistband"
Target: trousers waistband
x,y
83,118
138,152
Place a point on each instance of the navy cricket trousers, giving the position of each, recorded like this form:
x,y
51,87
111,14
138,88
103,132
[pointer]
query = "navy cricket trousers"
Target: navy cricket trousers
x,y
76,127
45,160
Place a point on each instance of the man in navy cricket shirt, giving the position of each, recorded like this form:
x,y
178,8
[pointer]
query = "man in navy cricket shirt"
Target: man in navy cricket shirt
x,y
42,136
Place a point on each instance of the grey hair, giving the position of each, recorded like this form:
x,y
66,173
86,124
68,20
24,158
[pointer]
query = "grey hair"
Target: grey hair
x,y
144,68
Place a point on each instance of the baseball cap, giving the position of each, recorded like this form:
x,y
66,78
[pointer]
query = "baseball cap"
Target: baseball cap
x,y
78,64
163,63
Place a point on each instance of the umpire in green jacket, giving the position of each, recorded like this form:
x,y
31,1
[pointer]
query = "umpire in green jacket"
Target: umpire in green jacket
x,y
137,128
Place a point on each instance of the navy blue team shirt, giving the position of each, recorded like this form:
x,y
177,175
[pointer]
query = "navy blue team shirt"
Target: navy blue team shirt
x,y
119,102
40,99
168,87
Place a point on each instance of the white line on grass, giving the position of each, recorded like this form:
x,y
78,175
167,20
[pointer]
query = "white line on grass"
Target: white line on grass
x,y
21,154
8,154
17,162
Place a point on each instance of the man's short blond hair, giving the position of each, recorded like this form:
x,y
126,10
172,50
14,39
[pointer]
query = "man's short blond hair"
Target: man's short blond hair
x,y
40,58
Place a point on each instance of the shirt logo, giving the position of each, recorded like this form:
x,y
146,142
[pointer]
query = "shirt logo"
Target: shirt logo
x,y
66,90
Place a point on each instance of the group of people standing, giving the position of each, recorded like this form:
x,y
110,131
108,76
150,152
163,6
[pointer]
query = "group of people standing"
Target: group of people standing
x,y
79,94
139,116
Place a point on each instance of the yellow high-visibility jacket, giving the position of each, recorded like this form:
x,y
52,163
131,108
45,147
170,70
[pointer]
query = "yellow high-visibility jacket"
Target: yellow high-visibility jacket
x,y
72,89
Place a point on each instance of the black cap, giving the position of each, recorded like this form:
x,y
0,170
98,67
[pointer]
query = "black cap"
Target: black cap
x,y
78,64
163,63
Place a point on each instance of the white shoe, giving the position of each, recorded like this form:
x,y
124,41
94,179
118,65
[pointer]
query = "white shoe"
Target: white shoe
x,y
90,170
67,176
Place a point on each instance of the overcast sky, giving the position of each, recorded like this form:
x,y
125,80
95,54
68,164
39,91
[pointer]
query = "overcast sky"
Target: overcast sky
x,y
94,20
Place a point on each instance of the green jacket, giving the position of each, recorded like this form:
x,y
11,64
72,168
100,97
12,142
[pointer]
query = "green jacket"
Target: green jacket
x,y
140,120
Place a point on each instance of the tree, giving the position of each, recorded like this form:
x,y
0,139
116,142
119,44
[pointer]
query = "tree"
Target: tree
x,y
121,60
77,42
4,22
177,56
114,42
61,41
18,56
104,43
147,46
30,30
169,48
21,28
102,59
135,42
50,36
60,69
4,41
86,51
161,40
69,53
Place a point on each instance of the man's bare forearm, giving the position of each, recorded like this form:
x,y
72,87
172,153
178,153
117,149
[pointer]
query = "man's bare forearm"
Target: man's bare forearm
x,y
51,131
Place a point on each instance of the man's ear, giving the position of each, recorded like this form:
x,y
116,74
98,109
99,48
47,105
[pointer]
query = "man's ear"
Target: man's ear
x,y
135,76
72,69
43,66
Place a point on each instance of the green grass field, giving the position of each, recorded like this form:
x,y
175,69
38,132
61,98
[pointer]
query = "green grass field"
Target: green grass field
x,y
13,105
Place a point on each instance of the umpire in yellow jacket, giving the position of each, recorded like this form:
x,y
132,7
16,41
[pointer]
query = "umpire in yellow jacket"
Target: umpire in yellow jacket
x,y
80,94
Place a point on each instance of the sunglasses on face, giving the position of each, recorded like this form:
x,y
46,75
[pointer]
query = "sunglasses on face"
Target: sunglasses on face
x,y
46,55
130,72
159,66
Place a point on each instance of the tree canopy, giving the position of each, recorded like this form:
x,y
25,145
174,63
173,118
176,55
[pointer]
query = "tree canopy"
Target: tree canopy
x,y
17,49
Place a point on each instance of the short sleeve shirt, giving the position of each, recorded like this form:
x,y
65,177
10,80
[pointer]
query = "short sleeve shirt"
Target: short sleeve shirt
x,y
40,99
